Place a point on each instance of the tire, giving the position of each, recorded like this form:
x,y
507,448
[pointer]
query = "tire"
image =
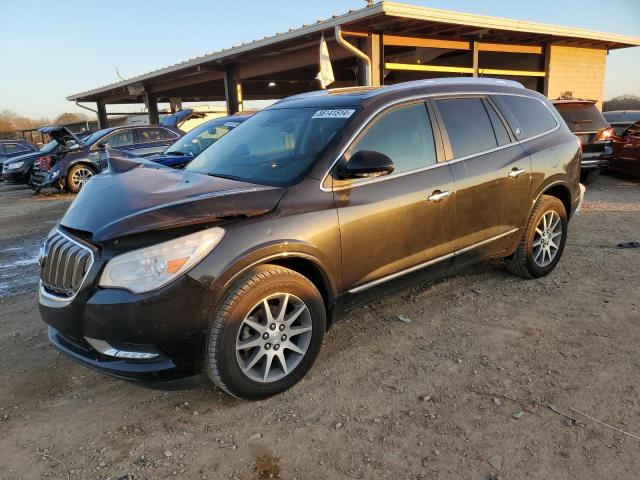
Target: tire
x,y
230,368
77,176
528,261
587,177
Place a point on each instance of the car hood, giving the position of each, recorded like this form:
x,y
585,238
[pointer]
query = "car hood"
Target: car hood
x,y
151,197
22,158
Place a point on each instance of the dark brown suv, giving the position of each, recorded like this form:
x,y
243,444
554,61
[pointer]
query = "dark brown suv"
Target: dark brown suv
x,y
235,267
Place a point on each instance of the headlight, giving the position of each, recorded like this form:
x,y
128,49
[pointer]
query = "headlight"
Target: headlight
x,y
13,166
152,267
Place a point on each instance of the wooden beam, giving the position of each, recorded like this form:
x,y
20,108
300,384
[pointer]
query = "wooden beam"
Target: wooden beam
x,y
510,48
515,73
285,61
187,81
427,68
421,42
354,33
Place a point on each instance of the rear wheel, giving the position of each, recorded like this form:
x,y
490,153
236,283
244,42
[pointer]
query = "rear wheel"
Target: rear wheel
x,y
543,243
266,335
587,177
77,176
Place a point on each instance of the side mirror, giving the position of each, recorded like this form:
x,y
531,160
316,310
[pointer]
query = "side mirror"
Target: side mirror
x,y
101,146
367,164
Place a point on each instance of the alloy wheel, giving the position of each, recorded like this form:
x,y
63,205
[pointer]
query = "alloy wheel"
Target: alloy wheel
x,y
80,177
547,239
274,337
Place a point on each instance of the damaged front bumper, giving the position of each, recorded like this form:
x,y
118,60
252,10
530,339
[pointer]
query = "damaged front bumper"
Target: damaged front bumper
x,y
45,178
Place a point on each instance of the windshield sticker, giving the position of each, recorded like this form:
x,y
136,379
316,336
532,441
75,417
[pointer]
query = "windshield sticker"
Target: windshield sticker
x,y
342,113
231,124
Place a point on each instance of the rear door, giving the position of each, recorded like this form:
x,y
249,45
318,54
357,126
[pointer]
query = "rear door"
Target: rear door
x,y
398,224
492,173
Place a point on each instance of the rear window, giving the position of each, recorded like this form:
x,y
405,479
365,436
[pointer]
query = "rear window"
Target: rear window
x,y
12,148
532,115
468,125
581,117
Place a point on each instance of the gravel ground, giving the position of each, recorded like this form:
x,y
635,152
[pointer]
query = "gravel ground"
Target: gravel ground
x,y
458,389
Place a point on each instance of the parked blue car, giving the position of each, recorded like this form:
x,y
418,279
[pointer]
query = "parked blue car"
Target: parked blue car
x,y
14,148
75,161
196,141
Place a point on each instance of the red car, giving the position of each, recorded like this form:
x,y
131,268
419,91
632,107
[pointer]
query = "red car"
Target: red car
x,y
626,151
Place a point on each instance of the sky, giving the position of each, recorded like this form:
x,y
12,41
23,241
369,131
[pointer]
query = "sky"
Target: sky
x,y
49,50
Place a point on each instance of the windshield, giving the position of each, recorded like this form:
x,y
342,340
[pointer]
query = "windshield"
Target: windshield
x,y
274,147
202,137
49,147
581,117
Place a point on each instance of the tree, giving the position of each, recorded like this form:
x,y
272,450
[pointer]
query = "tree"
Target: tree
x,y
622,102
68,117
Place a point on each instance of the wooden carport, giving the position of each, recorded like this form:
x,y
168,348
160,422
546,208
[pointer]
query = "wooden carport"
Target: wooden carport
x,y
383,43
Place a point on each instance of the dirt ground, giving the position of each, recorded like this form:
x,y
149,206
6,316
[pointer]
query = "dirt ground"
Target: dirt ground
x,y
434,398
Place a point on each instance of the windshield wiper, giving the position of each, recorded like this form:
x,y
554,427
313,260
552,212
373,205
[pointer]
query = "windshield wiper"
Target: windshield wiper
x,y
228,177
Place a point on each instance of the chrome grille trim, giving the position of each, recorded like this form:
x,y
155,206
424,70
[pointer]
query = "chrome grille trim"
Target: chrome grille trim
x,y
65,267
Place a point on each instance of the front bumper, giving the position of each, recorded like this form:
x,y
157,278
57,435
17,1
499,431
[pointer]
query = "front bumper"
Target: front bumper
x,y
171,322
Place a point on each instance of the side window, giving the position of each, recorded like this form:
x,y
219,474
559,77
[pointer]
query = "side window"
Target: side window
x,y
468,125
498,127
122,138
404,135
532,115
148,135
13,148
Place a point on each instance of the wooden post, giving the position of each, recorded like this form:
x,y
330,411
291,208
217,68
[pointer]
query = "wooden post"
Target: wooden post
x,y
232,90
175,103
152,107
102,115
475,59
374,51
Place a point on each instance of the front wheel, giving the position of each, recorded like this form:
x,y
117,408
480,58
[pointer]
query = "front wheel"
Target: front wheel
x,y
543,242
266,334
77,176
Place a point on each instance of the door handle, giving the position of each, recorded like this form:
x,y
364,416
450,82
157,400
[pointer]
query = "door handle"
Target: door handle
x,y
437,195
516,172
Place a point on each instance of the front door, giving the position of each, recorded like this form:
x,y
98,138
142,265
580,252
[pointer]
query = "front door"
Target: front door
x,y
394,225
492,183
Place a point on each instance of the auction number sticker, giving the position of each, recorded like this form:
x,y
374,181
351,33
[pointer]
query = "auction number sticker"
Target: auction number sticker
x,y
338,113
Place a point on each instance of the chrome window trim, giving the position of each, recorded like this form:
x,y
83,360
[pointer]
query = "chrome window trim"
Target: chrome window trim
x,y
424,97
67,300
136,127
428,263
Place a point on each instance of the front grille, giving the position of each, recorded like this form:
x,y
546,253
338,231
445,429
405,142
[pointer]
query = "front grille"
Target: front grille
x,y
64,265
